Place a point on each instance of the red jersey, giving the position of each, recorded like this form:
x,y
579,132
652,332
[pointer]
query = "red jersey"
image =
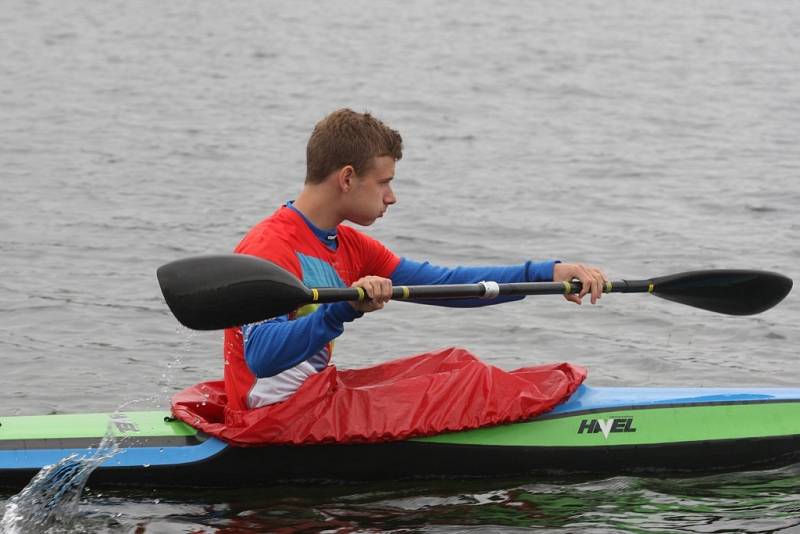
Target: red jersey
x,y
286,239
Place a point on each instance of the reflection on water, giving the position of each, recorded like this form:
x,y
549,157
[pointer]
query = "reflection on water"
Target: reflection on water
x,y
765,501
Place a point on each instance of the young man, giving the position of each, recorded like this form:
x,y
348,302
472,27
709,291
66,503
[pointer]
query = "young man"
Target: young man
x,y
350,167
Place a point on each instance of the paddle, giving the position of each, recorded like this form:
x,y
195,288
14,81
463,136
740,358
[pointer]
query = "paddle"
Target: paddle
x,y
215,292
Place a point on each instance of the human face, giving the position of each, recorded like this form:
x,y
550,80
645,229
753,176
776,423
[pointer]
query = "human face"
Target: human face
x,y
371,192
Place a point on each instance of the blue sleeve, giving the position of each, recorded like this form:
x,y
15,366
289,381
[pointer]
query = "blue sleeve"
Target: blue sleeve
x,y
273,346
409,272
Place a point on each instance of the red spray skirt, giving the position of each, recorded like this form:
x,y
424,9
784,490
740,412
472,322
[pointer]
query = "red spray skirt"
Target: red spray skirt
x,y
431,393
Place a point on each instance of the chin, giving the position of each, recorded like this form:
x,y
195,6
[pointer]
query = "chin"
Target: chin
x,y
363,222
366,219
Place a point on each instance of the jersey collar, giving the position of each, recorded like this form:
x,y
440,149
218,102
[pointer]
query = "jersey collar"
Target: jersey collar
x,y
328,237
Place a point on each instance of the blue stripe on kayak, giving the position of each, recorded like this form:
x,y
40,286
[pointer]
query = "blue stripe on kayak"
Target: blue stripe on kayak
x,y
589,398
128,457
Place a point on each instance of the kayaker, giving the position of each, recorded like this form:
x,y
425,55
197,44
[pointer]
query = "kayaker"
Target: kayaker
x,y
350,167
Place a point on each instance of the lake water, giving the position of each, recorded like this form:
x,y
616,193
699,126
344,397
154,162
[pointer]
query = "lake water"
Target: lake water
x,y
647,138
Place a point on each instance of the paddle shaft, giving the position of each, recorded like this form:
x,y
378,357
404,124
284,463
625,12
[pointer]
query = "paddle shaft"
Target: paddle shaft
x,y
479,290
214,292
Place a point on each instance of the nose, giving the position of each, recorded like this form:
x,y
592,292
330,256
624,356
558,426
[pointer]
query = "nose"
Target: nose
x,y
389,198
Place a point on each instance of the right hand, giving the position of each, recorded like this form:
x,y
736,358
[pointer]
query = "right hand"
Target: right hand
x,y
379,291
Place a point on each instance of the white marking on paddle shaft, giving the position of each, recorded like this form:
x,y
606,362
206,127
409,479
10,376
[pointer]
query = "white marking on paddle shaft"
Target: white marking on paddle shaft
x,y
490,290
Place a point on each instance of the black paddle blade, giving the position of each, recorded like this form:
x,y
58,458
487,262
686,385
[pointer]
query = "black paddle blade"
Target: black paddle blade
x,y
734,292
215,292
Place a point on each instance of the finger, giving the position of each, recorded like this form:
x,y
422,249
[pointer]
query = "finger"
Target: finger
x,y
600,280
366,285
380,292
573,298
385,289
583,275
377,291
597,288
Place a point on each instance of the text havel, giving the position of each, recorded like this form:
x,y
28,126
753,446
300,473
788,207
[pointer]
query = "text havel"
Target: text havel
x,y
606,426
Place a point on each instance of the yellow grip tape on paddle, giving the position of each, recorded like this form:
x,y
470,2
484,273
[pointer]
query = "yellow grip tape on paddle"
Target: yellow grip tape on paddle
x,y
361,293
314,295
567,287
609,287
650,287
406,292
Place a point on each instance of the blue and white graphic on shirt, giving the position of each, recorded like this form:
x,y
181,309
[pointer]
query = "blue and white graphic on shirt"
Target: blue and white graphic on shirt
x,y
281,353
269,352
317,273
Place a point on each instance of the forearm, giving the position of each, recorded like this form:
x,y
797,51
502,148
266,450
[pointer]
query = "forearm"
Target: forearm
x,y
274,346
410,272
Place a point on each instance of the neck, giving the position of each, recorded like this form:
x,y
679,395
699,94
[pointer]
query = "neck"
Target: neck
x,y
314,203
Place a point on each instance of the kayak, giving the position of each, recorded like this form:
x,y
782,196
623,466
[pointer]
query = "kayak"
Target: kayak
x,y
597,431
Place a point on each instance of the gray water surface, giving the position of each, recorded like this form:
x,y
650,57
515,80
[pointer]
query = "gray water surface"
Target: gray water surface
x,y
647,138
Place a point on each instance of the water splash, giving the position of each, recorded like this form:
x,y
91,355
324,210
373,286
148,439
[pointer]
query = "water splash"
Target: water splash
x,y
49,503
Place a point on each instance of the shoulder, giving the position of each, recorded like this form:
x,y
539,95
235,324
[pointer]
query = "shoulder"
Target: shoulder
x,y
281,226
351,238
273,239
372,255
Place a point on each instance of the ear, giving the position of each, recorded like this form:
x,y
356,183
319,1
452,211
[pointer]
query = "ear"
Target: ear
x,y
345,178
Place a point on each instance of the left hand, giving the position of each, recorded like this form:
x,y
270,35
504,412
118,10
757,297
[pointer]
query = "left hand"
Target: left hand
x,y
378,290
592,279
